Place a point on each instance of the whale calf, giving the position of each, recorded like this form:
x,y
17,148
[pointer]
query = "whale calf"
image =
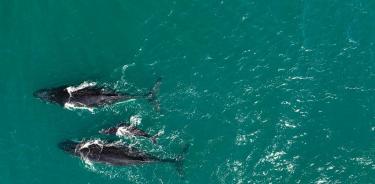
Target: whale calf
x,y
116,154
127,129
89,95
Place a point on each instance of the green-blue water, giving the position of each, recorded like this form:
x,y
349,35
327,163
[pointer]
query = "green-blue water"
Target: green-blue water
x,y
263,91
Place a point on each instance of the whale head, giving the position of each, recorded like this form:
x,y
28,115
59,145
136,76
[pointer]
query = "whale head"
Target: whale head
x,y
68,146
54,95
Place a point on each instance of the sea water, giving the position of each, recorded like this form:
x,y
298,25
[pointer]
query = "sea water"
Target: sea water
x,y
262,91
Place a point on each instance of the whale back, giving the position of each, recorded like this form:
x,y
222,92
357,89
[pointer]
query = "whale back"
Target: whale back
x,y
94,96
115,155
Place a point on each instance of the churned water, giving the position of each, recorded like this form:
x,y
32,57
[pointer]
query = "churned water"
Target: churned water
x,y
263,91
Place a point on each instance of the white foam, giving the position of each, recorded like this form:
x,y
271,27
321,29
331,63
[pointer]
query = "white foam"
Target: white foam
x,y
91,142
88,163
289,124
135,120
84,85
126,66
73,106
123,131
117,143
300,78
322,180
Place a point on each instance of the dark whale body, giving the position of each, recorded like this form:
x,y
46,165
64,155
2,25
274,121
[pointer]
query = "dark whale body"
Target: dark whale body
x,y
89,95
112,154
127,129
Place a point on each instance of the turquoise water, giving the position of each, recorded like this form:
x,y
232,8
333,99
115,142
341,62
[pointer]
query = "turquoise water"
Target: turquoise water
x,y
263,91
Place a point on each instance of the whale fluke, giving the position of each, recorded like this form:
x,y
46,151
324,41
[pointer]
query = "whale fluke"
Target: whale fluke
x,y
181,159
153,139
151,96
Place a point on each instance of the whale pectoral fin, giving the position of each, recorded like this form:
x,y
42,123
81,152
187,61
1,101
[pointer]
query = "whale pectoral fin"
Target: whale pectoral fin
x,y
75,105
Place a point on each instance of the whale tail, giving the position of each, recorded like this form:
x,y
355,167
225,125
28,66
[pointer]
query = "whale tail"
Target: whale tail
x,y
151,96
153,139
179,162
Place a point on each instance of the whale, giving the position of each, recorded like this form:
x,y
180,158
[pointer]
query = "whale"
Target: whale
x,y
127,129
89,95
115,153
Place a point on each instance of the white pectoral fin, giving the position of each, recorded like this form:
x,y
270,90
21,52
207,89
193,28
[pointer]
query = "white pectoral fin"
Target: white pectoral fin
x,y
77,105
85,84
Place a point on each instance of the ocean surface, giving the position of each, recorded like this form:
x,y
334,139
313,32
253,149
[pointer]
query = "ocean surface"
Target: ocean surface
x,y
262,91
